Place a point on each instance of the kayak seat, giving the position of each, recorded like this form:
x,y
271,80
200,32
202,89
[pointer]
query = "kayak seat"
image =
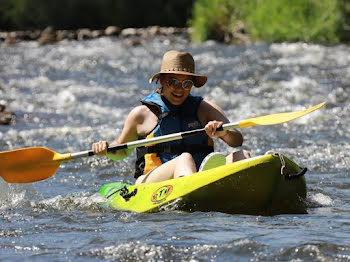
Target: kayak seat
x,y
212,160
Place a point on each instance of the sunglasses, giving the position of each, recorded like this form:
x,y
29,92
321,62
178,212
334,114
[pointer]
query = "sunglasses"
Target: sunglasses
x,y
174,83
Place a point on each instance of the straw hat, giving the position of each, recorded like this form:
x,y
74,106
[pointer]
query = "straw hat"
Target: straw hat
x,y
175,62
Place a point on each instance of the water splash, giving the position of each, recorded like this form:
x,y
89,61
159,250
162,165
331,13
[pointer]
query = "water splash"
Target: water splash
x,y
16,195
322,199
76,201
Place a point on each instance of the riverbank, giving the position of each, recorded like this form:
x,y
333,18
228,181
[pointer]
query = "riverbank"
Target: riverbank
x,y
49,35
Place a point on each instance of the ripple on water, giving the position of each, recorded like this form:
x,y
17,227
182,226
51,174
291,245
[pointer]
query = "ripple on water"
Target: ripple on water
x,y
243,249
140,251
312,252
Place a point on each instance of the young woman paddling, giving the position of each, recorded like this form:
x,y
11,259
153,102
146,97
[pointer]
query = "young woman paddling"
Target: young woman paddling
x,y
171,109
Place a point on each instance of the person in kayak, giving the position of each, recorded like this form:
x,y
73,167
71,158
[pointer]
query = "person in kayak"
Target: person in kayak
x,y
171,109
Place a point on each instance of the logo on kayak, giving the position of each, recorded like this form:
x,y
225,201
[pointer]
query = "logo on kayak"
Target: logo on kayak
x,y
161,194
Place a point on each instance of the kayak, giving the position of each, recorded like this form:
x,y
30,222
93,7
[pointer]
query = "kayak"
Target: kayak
x,y
264,185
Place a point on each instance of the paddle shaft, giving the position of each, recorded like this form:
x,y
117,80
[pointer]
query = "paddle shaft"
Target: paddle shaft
x,y
262,120
155,140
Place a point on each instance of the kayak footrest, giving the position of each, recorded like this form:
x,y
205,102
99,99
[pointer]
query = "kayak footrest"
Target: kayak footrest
x,y
124,193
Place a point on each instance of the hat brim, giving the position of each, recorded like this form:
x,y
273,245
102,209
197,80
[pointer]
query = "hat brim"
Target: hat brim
x,y
198,80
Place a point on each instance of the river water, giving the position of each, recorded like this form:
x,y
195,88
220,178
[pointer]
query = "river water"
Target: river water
x,y
70,94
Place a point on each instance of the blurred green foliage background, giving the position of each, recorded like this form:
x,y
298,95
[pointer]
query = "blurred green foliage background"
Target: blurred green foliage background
x,y
93,14
323,21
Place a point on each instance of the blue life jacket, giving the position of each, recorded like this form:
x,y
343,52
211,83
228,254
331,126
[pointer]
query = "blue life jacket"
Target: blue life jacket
x,y
172,119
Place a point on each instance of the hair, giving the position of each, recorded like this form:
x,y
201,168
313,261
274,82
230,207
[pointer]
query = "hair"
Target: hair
x,y
159,89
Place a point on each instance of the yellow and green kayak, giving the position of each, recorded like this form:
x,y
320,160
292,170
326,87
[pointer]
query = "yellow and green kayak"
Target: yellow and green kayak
x,y
264,185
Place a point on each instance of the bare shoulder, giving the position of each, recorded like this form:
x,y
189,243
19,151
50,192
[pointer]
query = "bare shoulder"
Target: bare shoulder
x,y
208,111
142,118
139,114
207,105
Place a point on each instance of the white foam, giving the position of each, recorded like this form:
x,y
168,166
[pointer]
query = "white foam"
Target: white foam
x,y
72,201
65,98
322,199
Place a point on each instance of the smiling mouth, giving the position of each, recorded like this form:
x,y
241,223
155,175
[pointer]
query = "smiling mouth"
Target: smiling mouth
x,y
176,95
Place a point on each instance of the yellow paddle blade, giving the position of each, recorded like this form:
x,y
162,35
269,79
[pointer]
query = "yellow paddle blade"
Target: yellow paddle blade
x,y
29,164
275,119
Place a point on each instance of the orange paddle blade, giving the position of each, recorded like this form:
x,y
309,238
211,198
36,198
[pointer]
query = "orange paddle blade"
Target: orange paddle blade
x,y
29,164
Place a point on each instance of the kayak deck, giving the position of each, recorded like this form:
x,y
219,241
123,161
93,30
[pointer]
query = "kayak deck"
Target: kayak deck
x,y
250,186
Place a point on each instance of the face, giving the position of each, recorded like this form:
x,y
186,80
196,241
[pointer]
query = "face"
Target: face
x,y
176,88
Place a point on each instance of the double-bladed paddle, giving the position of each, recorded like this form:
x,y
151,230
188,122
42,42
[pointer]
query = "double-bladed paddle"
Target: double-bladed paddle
x,y
34,164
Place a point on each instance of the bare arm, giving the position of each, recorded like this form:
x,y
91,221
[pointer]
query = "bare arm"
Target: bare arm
x,y
129,133
134,126
213,117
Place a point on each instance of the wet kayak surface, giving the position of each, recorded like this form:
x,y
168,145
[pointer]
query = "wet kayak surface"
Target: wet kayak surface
x,y
70,94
